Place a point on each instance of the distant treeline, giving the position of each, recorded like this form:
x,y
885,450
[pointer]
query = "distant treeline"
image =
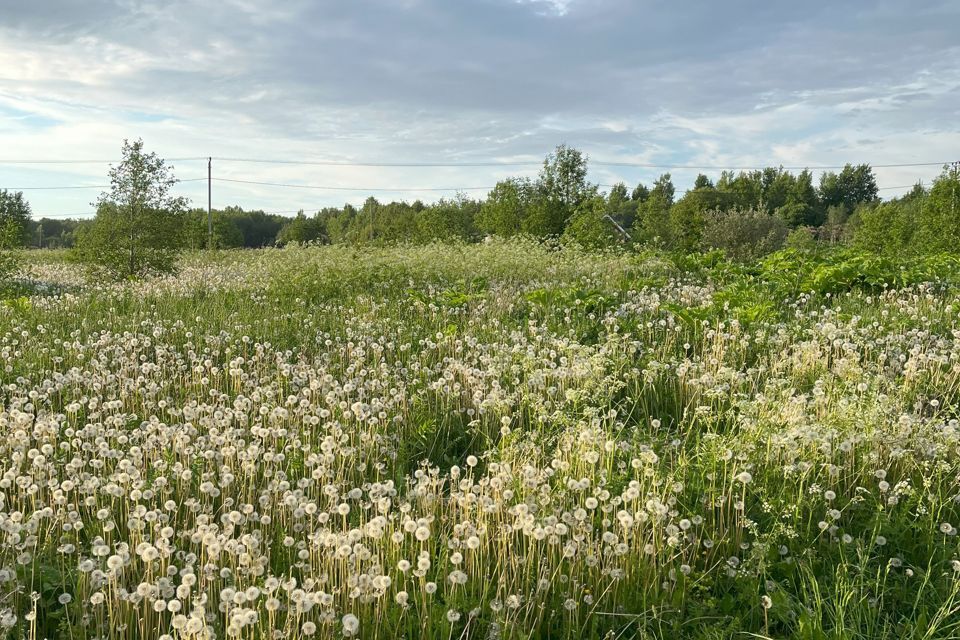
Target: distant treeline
x,y
745,214
232,228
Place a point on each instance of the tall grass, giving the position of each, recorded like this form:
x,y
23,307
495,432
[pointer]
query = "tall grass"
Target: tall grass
x,y
494,441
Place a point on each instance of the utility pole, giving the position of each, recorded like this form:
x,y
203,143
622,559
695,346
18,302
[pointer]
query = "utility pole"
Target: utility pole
x,y
210,203
622,231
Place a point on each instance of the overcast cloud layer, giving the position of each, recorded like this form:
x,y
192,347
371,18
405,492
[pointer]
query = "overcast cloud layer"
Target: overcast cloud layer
x,y
721,84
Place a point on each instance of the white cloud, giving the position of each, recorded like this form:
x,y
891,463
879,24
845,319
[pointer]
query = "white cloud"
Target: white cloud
x,y
554,7
437,80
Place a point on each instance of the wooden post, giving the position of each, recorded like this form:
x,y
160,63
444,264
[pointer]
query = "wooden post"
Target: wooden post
x,y
210,203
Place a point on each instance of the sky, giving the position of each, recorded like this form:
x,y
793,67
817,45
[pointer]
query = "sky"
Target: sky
x,y
672,84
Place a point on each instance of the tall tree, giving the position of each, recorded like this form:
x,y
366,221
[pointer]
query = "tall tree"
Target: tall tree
x,y
14,219
938,223
505,208
702,182
447,219
563,178
139,223
640,193
14,215
653,214
850,187
801,207
302,230
590,227
620,206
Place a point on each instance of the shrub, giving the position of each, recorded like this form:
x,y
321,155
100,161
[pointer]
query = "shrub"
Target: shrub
x,y
743,234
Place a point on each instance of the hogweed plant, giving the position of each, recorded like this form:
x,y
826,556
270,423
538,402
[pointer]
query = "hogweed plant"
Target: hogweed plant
x,y
496,441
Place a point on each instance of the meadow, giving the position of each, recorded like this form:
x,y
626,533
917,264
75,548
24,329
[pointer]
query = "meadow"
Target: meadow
x,y
501,440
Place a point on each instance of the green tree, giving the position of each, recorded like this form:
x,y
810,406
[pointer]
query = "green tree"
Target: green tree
x,y
888,228
559,191
850,187
938,215
591,227
544,216
563,178
52,233
302,229
14,219
683,224
139,223
653,214
801,207
15,214
447,219
196,234
620,206
702,182
743,235
686,222
258,229
775,187
339,222
640,193
505,208
742,190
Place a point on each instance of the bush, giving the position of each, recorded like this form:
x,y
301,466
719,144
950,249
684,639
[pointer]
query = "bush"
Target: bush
x,y
839,270
743,234
802,239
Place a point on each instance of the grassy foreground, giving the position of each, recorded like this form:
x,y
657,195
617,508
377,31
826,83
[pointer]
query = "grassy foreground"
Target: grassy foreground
x,y
488,441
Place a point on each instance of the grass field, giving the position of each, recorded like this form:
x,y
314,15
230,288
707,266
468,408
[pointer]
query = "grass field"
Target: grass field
x,y
502,440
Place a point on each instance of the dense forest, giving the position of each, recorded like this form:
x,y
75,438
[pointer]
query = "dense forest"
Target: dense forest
x,y
745,214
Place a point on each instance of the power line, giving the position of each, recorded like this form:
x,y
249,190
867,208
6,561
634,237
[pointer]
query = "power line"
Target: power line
x,y
484,163
758,168
513,163
5,161
84,186
329,188
346,163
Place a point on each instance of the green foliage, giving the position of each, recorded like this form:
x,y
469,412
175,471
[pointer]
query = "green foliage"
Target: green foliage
x,y
14,216
505,208
590,226
801,239
852,186
562,202
52,233
196,235
686,219
563,179
448,219
653,213
139,225
258,229
302,230
842,270
888,228
919,223
938,215
621,207
743,235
